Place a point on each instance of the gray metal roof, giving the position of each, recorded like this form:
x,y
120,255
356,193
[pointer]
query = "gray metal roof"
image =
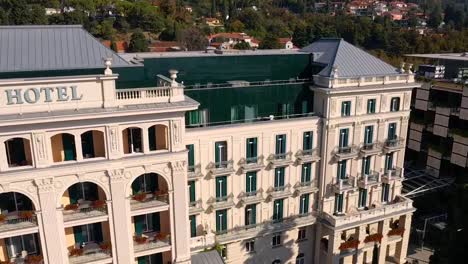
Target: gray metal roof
x,y
208,257
442,56
38,48
350,60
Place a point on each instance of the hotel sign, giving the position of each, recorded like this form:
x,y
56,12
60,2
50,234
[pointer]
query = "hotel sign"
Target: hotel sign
x,y
44,94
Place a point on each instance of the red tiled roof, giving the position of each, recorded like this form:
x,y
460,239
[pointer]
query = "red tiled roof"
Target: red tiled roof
x,y
120,44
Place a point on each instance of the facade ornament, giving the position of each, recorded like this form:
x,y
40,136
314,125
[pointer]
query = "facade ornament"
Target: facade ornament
x,y
332,107
335,72
45,185
108,63
113,137
4,187
173,74
40,144
178,166
116,174
358,104
402,67
176,131
410,67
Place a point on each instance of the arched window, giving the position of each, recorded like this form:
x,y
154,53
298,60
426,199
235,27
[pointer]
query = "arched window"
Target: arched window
x,y
18,152
15,202
157,137
63,147
131,138
92,144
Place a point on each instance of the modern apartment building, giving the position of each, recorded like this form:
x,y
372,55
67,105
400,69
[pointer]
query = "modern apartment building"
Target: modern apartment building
x,y
266,156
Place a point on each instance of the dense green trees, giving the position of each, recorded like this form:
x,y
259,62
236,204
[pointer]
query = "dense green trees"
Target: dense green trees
x,y
138,42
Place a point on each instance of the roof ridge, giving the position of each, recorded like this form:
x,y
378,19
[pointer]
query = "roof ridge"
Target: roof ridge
x,y
41,26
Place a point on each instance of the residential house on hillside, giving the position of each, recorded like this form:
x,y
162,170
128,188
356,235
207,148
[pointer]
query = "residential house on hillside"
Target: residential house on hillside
x,y
229,40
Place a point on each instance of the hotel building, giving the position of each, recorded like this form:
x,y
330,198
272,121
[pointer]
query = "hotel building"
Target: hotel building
x,y
266,156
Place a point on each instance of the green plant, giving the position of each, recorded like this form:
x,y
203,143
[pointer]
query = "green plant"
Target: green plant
x,y
350,244
139,197
140,239
70,207
396,232
76,252
373,238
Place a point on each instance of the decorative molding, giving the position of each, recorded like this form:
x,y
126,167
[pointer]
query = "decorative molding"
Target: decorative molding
x,y
116,175
332,107
5,187
45,185
358,103
40,143
176,131
178,166
113,138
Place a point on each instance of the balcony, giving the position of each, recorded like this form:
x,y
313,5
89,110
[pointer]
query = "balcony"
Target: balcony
x,y
195,207
202,242
278,160
392,145
221,168
279,192
368,180
345,184
251,164
91,253
309,155
151,243
400,205
17,222
145,203
348,152
392,175
85,212
223,202
305,187
368,149
194,172
265,227
26,259
251,197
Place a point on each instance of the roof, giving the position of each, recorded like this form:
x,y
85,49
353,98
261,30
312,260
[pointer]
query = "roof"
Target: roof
x,y
208,257
52,47
349,60
442,56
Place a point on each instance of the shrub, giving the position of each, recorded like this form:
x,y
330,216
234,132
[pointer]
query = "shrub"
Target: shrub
x,y
141,239
76,252
105,246
71,207
373,238
26,214
2,218
139,197
34,259
98,204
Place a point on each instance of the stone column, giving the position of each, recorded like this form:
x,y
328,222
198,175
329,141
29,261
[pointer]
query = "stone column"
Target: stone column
x,y
383,229
361,235
52,225
120,209
179,214
402,246
333,254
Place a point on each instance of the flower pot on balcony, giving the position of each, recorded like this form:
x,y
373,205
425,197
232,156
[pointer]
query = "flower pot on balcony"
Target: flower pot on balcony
x,y
71,207
396,232
98,204
2,218
140,197
373,238
350,244
105,246
74,252
26,215
34,259
141,239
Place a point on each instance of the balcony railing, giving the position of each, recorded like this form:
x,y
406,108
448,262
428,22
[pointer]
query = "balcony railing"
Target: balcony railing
x,y
250,164
308,155
17,220
371,148
90,252
222,167
306,187
370,179
194,172
394,144
149,200
196,207
151,241
280,159
392,174
279,191
221,202
345,152
345,184
251,197
202,242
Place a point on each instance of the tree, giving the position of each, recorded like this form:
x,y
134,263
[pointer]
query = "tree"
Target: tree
x,y
107,29
193,39
242,46
237,26
435,17
301,36
38,15
113,46
270,42
138,42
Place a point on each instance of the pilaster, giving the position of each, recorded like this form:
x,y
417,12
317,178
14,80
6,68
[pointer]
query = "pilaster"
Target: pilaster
x,y
383,229
401,250
40,150
333,254
361,235
114,150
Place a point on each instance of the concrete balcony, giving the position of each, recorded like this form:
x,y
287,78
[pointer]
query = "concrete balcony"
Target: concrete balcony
x,y
194,172
309,155
278,160
395,174
18,223
305,187
348,152
279,192
223,202
346,184
392,145
221,168
196,207
240,233
400,205
251,197
251,164
148,203
84,213
91,253
151,243
202,242
368,149
369,180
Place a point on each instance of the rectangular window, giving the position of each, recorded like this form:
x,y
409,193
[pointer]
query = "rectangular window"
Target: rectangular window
x,y
395,104
276,241
389,161
385,192
362,199
192,191
368,136
346,108
251,150
307,140
371,106
220,154
191,157
306,172
280,149
250,214
285,109
250,246
221,220
344,133
304,204
15,245
301,234
366,162
221,188
392,131
196,118
279,178
339,203
251,183
193,225
342,170
278,210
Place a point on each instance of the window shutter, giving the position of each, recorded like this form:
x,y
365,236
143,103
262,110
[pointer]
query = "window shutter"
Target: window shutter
x,y
193,226
68,142
156,222
152,138
139,222
280,214
191,155
217,152
254,214
78,234
254,146
192,191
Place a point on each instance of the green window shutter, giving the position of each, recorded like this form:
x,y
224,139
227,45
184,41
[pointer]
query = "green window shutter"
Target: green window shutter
x,y
73,192
304,204
342,169
156,217
280,214
78,234
279,177
191,155
307,140
221,220
87,144
366,165
152,138
156,258
254,214
251,181
283,144
138,221
136,185
389,161
97,229
221,186
306,172
254,148
68,142
141,260
344,137
278,144
193,226
251,148
304,107
192,191
342,108
392,131
368,134
254,181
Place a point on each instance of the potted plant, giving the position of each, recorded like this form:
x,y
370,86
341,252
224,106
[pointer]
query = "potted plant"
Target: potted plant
x,y
71,207
139,197
34,259
76,252
105,246
396,232
2,218
98,204
373,238
26,214
350,244
141,239
160,236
